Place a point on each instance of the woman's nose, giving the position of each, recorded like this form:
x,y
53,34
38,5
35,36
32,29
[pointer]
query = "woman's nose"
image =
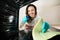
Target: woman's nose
x,y
31,12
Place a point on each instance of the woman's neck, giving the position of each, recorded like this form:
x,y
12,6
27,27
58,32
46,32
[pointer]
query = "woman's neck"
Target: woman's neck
x,y
32,18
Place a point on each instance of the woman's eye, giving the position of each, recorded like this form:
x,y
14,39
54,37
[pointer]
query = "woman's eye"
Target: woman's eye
x,y
28,10
33,10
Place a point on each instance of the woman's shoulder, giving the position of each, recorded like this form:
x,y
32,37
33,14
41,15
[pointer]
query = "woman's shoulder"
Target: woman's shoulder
x,y
38,17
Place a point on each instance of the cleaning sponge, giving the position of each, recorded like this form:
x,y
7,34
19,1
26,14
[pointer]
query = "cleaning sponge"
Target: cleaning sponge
x,y
24,19
45,27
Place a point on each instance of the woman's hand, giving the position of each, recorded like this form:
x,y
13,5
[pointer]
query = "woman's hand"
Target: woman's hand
x,y
27,26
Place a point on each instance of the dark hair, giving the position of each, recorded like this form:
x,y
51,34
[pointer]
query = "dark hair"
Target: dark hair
x,y
27,11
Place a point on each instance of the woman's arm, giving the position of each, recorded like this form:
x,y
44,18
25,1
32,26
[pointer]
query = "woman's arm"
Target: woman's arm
x,y
37,29
37,32
38,26
21,26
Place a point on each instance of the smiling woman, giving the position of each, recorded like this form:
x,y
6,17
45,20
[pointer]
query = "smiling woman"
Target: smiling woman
x,y
48,10
29,21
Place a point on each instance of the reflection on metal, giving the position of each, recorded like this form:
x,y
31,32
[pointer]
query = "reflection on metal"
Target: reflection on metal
x,y
11,18
25,2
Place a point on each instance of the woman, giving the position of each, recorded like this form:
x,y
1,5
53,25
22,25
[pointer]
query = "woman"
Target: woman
x,y
31,19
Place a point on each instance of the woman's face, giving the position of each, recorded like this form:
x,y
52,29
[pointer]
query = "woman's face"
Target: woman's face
x,y
31,11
